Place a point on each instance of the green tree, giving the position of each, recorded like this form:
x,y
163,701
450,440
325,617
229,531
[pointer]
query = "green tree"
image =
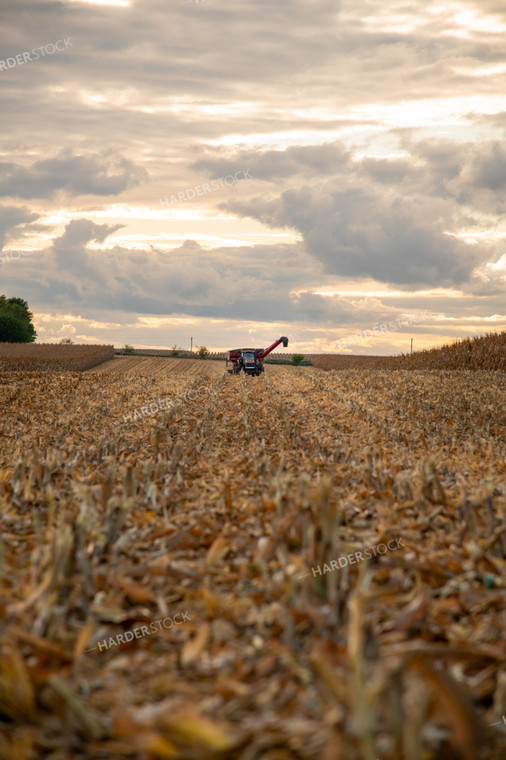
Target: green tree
x,y
203,352
65,341
297,358
128,349
16,321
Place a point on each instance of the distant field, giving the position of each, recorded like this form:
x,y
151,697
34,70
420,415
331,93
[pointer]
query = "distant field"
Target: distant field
x,y
52,356
248,508
276,356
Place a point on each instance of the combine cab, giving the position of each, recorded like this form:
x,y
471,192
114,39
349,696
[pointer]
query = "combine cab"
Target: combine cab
x,y
250,359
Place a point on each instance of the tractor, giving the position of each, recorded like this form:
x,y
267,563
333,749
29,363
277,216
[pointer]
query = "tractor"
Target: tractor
x,y
250,360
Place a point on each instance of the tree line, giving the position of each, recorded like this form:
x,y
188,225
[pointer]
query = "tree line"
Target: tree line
x,y
16,321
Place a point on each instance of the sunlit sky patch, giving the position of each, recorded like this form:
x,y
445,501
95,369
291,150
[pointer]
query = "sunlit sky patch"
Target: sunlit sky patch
x,y
118,3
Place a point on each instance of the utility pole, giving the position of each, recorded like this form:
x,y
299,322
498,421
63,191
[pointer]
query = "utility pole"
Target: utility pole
x,y
191,345
411,345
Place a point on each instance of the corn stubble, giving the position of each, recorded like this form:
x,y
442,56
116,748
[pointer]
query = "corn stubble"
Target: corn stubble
x,y
220,507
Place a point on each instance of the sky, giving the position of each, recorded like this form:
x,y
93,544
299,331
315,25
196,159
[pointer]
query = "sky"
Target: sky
x,y
224,173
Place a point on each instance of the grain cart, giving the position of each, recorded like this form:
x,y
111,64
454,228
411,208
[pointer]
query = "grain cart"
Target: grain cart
x,y
251,360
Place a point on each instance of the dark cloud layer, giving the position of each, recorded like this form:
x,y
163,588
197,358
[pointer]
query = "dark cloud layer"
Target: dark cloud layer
x,y
236,284
75,175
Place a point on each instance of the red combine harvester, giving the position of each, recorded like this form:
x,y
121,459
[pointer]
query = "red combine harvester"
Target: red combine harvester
x,y
250,359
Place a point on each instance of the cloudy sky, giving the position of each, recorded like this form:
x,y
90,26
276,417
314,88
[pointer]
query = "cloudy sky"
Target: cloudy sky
x,y
233,171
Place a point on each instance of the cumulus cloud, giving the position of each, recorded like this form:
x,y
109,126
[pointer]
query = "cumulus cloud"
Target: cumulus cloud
x,y
73,174
273,165
12,218
267,283
397,229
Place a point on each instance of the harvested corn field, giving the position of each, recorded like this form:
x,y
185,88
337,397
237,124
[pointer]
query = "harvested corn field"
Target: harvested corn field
x,y
52,356
303,565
